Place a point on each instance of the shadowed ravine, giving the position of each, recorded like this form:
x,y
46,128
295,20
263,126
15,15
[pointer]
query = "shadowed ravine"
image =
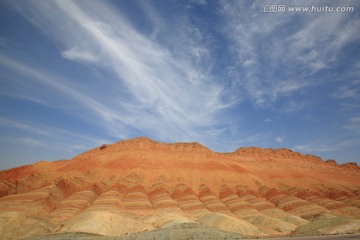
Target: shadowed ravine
x,y
142,189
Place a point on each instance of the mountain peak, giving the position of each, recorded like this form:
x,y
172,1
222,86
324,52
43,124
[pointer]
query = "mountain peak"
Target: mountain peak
x,y
145,143
270,153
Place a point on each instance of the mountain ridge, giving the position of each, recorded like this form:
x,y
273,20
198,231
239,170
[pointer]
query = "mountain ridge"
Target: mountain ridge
x,y
141,143
146,185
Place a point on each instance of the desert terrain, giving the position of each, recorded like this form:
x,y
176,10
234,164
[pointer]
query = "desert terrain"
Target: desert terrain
x,y
143,189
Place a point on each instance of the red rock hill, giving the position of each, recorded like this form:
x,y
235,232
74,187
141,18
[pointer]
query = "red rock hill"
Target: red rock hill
x,y
139,184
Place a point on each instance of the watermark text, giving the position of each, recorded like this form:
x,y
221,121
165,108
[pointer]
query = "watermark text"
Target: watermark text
x,y
278,8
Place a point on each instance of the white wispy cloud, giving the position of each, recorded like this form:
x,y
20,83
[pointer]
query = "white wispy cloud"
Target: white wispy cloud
x,y
254,138
267,120
55,134
26,127
29,97
200,2
327,145
33,142
37,143
165,77
354,125
61,85
79,55
314,148
280,53
345,92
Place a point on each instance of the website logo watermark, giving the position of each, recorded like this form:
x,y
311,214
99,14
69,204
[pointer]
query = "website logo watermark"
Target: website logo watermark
x,y
278,8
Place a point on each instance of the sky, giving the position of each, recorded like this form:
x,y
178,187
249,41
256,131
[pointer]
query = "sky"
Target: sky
x,y
226,74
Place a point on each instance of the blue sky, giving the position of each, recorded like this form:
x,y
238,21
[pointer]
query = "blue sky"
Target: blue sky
x,y
74,75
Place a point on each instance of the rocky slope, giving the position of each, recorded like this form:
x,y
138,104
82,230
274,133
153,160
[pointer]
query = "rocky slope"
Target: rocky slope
x,y
140,185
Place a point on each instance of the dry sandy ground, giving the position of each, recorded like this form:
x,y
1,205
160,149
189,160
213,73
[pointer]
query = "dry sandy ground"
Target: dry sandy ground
x,y
181,231
184,232
339,237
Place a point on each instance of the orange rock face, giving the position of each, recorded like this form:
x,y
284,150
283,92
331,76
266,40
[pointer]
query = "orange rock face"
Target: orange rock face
x,y
138,185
